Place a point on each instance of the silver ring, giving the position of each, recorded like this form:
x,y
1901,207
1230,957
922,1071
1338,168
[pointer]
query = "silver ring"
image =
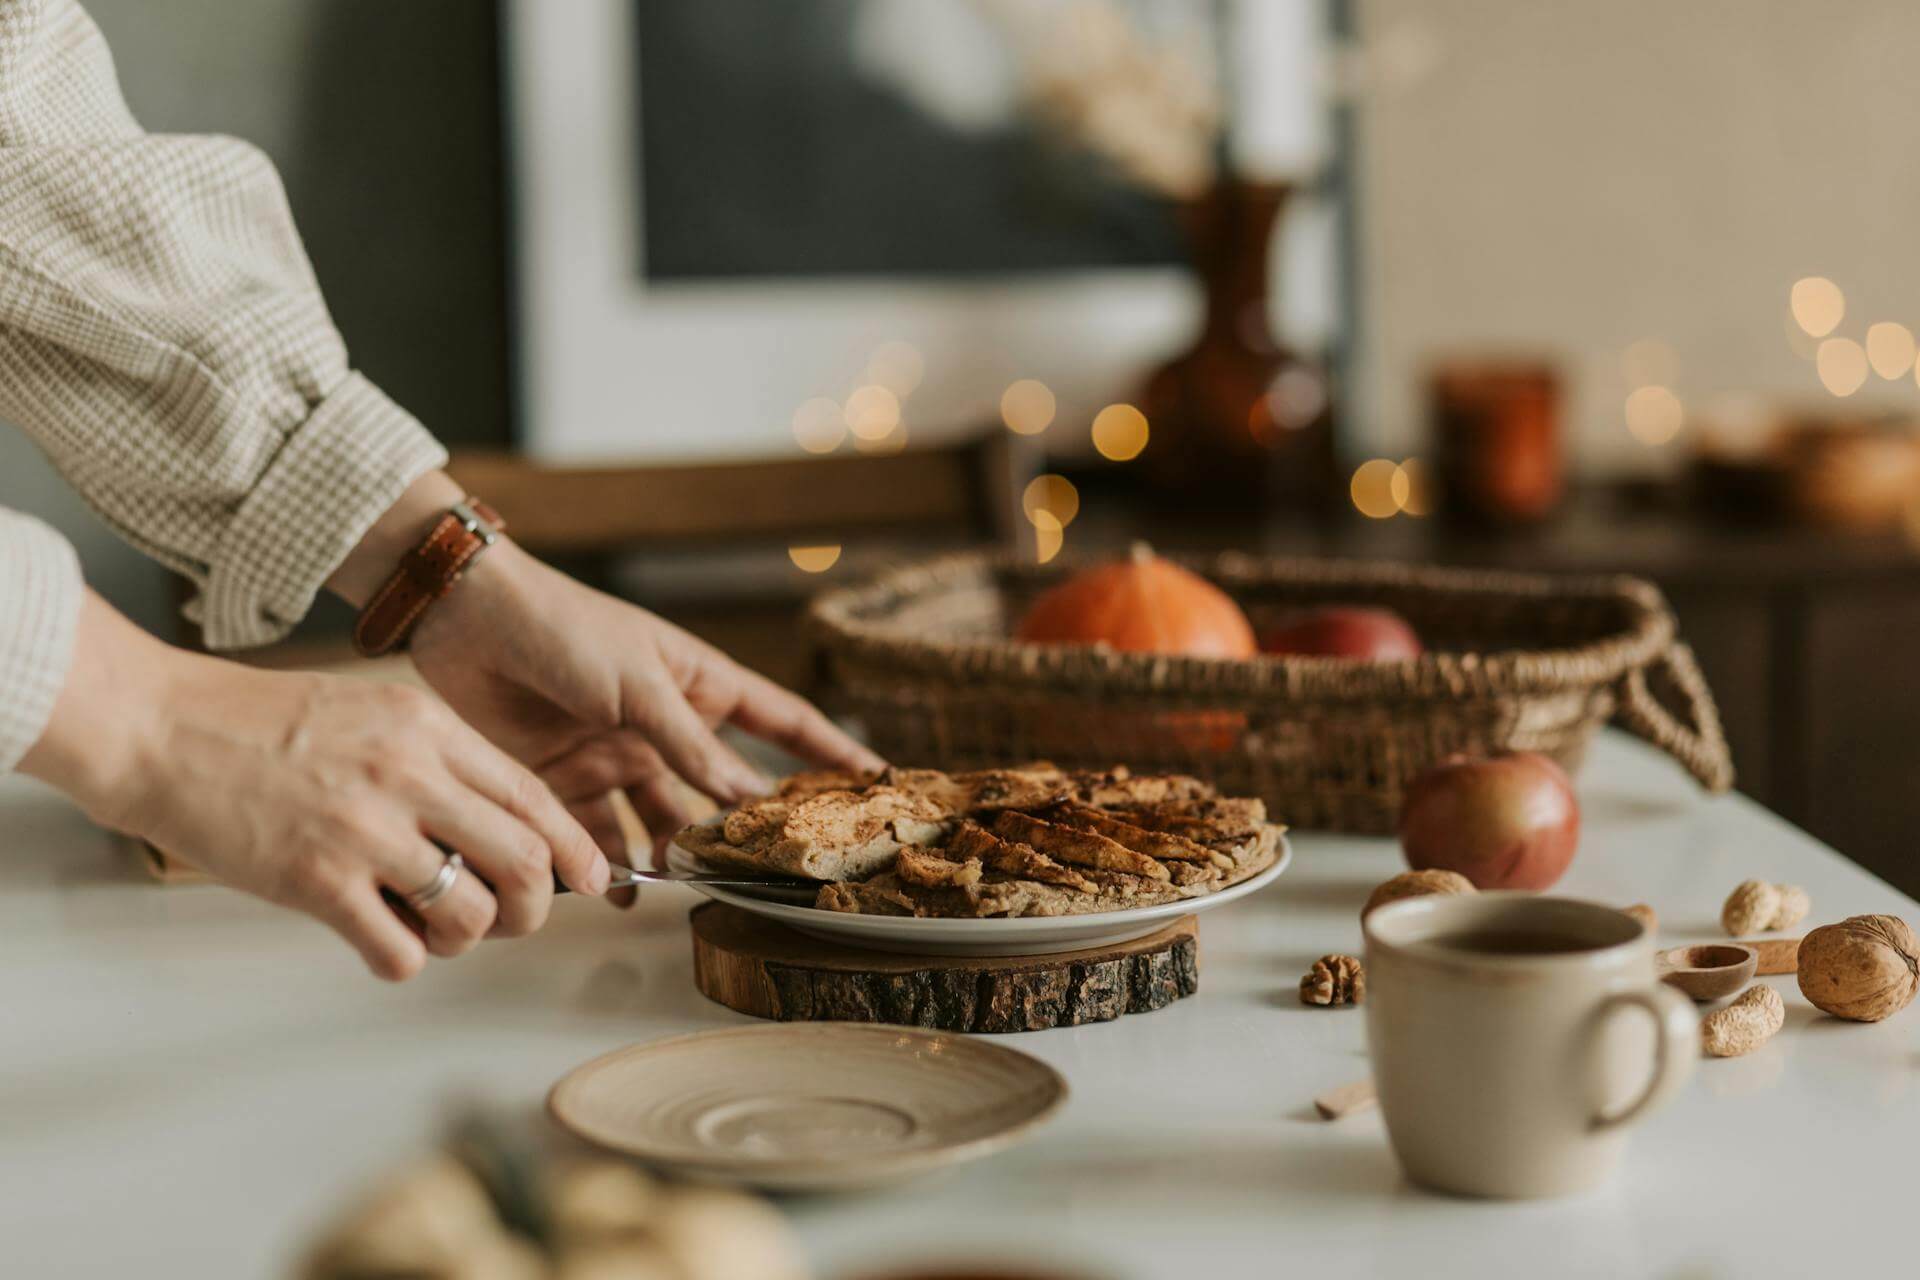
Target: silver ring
x,y
438,887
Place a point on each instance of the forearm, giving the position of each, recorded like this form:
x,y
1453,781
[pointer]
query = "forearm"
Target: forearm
x,y
105,715
40,595
324,793
398,530
116,676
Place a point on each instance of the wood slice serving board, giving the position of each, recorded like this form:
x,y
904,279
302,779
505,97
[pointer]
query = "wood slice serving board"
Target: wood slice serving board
x,y
758,967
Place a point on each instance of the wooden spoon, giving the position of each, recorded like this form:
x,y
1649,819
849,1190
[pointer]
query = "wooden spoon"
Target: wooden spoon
x,y
1709,971
1777,955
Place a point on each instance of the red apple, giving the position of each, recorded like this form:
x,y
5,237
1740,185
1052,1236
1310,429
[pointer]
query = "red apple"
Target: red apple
x,y
1508,822
1342,631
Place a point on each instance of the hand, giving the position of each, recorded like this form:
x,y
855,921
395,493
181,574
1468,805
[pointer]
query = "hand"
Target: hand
x,y
599,696
315,792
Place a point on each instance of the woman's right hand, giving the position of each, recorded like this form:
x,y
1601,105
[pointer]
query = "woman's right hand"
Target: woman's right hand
x,y
315,792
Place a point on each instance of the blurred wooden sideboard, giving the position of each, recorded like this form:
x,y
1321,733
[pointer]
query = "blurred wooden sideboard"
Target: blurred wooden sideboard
x,y
1805,636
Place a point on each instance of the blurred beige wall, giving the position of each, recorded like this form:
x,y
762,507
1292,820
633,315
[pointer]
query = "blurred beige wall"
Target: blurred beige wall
x,y
1577,177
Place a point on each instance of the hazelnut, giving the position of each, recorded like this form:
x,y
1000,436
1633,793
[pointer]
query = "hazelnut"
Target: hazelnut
x,y
1750,908
1416,884
1794,905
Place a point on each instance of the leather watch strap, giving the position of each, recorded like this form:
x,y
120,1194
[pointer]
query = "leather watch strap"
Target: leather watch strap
x,y
425,574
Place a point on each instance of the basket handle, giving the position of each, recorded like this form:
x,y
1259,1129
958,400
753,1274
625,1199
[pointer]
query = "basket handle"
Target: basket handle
x,y
1692,735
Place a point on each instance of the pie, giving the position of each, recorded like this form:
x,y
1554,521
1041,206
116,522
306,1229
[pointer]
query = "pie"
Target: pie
x,y
1031,841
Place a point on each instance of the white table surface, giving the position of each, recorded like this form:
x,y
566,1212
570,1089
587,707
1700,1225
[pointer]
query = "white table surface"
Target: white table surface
x,y
190,1081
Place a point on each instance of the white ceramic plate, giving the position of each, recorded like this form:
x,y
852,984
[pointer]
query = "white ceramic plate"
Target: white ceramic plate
x,y
1019,936
810,1106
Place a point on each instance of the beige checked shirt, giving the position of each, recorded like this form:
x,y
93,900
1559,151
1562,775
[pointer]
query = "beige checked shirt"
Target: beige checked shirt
x,y
164,342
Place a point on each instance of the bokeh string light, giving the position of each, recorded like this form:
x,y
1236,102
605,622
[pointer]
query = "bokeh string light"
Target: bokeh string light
x,y
1818,305
819,426
1654,415
1400,488
1120,432
1382,488
1652,410
1416,493
872,412
814,559
1049,535
1842,365
1890,349
1372,488
1054,495
1027,407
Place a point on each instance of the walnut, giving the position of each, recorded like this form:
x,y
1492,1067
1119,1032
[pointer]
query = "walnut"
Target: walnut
x,y
1416,884
1744,1025
1334,980
1755,906
1865,968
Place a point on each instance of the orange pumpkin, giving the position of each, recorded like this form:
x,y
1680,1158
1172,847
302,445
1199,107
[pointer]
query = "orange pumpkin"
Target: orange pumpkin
x,y
1142,604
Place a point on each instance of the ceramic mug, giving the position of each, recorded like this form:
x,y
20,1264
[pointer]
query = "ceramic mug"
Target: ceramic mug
x,y
1516,1038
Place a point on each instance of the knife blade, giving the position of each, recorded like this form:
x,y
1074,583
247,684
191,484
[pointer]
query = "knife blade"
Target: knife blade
x,y
634,877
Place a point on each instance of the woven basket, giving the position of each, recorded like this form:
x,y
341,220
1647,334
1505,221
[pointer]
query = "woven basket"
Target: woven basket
x,y
1516,662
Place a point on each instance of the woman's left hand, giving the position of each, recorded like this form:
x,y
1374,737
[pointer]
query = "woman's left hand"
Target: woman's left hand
x,y
598,695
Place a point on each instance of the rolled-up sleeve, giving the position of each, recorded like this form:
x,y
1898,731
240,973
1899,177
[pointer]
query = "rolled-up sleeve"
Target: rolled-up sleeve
x,y
40,590
163,340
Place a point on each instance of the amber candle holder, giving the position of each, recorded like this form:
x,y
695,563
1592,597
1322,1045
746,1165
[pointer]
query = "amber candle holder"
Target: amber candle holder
x,y
1497,446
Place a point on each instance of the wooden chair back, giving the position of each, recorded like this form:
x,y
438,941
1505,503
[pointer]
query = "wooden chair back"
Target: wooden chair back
x,y
972,487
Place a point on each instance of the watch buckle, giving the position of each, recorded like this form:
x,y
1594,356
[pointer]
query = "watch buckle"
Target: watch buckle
x,y
473,522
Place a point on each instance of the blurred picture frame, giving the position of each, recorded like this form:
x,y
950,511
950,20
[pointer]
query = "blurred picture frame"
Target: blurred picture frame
x,y
615,361
613,364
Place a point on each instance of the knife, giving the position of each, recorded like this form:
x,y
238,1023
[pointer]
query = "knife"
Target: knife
x,y
633,877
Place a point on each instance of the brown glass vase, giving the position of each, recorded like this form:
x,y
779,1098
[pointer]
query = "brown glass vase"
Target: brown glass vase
x,y
1238,422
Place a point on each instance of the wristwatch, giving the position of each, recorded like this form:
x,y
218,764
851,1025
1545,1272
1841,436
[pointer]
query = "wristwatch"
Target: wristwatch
x,y
425,574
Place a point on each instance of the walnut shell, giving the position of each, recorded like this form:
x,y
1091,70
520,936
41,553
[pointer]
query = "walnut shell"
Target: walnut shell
x,y
1865,968
1744,1025
1750,908
1416,884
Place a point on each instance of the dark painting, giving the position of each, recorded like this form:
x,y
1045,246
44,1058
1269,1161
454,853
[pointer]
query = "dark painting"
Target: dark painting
x,y
769,150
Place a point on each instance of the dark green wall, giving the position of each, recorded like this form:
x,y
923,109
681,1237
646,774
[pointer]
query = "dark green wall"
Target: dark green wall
x,y
383,116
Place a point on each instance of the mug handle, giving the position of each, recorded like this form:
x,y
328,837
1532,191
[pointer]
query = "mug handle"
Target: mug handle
x,y
1676,1046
